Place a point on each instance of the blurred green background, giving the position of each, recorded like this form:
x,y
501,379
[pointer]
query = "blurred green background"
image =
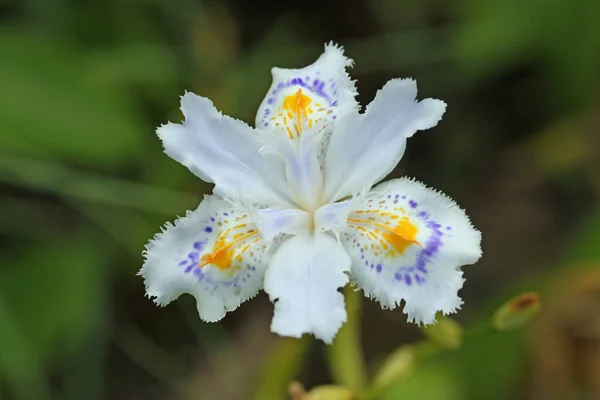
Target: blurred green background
x,y
84,84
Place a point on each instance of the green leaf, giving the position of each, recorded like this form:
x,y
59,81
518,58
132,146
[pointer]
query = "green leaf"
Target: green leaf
x,y
52,106
50,290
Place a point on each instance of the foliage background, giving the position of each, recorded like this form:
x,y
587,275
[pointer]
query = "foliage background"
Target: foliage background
x,y
85,184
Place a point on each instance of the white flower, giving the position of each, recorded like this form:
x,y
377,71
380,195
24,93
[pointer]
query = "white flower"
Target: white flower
x,y
295,211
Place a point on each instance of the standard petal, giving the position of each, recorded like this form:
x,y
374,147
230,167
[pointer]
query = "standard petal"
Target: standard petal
x,y
319,94
364,148
302,165
303,280
408,242
214,253
225,151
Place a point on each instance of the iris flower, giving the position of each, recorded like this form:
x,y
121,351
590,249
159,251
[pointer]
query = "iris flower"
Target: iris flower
x,y
296,210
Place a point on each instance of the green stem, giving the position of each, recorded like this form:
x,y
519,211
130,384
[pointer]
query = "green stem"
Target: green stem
x,y
281,368
345,356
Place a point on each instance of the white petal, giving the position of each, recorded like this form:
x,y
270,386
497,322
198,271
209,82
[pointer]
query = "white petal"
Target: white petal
x,y
225,151
364,148
303,280
292,221
315,95
408,242
214,253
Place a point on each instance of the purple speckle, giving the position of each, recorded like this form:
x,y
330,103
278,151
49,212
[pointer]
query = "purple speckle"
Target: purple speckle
x,y
280,85
403,197
253,268
190,267
271,100
182,262
367,263
294,81
266,124
208,229
448,228
379,268
398,276
407,279
422,214
212,219
412,203
225,214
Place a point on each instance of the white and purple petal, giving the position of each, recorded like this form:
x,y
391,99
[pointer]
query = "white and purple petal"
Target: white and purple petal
x,y
408,242
214,253
323,91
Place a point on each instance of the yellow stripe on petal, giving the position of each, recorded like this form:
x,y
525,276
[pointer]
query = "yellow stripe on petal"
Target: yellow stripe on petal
x,y
393,236
230,246
394,233
297,105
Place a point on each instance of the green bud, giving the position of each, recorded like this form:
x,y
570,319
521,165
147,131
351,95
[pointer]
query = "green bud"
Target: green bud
x,y
396,366
330,392
446,332
516,312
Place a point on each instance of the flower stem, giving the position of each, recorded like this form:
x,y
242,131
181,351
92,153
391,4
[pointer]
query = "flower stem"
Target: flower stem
x,y
281,367
345,356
